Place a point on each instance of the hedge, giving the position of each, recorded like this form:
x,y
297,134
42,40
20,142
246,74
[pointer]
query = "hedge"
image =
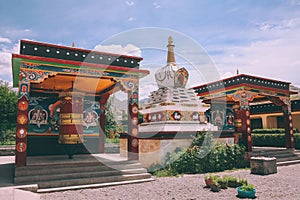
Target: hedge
x,y
272,131
273,140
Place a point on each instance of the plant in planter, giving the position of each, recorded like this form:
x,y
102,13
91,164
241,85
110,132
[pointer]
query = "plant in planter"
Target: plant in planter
x,y
232,182
242,182
246,191
215,186
209,179
223,182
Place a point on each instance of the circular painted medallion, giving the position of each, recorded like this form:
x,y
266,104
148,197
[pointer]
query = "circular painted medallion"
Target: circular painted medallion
x,y
134,143
248,130
22,119
134,132
21,133
135,110
247,113
23,105
291,132
135,120
248,122
249,138
21,147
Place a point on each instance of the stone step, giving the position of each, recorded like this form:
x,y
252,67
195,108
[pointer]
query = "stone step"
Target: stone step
x,y
97,185
286,163
75,175
61,169
93,180
283,159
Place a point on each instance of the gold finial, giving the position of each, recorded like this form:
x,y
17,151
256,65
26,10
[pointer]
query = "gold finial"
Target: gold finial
x,y
73,44
170,40
171,56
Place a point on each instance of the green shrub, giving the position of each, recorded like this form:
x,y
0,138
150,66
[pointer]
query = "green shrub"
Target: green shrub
x,y
272,131
165,173
273,140
203,157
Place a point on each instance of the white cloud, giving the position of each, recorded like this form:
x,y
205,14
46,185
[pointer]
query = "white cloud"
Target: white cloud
x,y
129,3
5,61
156,5
146,88
4,40
288,24
131,19
274,58
129,49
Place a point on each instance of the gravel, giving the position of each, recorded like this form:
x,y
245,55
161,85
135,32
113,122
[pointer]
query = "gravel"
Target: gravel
x,y
283,185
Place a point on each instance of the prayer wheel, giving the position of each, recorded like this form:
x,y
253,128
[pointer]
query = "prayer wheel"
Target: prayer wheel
x,y
71,129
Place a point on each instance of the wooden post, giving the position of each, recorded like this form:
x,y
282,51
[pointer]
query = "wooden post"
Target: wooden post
x,y
22,125
246,129
133,141
288,126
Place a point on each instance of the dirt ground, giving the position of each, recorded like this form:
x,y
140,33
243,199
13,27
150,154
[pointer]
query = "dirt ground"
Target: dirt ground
x,y
283,185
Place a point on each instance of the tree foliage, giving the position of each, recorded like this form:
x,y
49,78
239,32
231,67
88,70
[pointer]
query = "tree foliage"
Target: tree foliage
x,y
8,111
110,121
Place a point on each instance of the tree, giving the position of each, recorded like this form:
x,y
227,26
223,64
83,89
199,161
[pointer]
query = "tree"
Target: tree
x,y
8,112
110,122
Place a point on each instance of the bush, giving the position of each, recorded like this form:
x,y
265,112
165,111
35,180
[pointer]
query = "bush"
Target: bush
x,y
273,140
203,157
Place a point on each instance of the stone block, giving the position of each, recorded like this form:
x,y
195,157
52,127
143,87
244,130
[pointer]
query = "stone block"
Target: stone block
x,y
263,165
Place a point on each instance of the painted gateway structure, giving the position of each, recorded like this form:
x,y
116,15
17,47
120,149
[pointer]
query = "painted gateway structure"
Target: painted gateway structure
x,y
62,97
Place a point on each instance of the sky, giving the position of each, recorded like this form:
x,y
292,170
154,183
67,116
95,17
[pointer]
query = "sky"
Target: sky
x,y
257,37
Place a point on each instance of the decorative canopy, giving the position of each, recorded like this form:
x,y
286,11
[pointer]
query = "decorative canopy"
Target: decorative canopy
x,y
54,68
260,89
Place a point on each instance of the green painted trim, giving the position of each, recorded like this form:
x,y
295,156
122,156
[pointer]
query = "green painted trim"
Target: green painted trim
x,y
16,70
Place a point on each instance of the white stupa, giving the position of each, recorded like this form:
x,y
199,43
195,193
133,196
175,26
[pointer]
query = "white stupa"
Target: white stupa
x,y
173,108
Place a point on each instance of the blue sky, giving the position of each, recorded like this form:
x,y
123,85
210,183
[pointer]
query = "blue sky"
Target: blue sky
x,y
260,37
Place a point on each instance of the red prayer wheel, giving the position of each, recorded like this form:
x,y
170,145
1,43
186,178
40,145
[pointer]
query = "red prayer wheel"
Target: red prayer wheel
x,y
71,113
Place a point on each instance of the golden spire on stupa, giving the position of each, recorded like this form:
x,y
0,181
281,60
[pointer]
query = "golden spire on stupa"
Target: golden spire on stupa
x,y
171,56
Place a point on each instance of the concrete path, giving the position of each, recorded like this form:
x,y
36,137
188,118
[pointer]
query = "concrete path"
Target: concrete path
x,y
8,191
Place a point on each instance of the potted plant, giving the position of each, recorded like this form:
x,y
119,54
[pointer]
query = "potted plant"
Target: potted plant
x,y
242,182
246,191
215,186
209,179
223,182
232,182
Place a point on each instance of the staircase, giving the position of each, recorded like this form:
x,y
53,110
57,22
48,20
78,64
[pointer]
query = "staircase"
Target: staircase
x,y
283,156
56,173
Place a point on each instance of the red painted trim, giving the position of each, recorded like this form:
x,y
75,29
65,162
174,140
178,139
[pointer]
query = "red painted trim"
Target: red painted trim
x,y
240,75
79,49
247,85
76,63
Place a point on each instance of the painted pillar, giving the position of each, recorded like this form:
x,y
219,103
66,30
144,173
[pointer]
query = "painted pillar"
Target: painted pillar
x,y
22,124
133,141
288,125
102,119
237,123
242,117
